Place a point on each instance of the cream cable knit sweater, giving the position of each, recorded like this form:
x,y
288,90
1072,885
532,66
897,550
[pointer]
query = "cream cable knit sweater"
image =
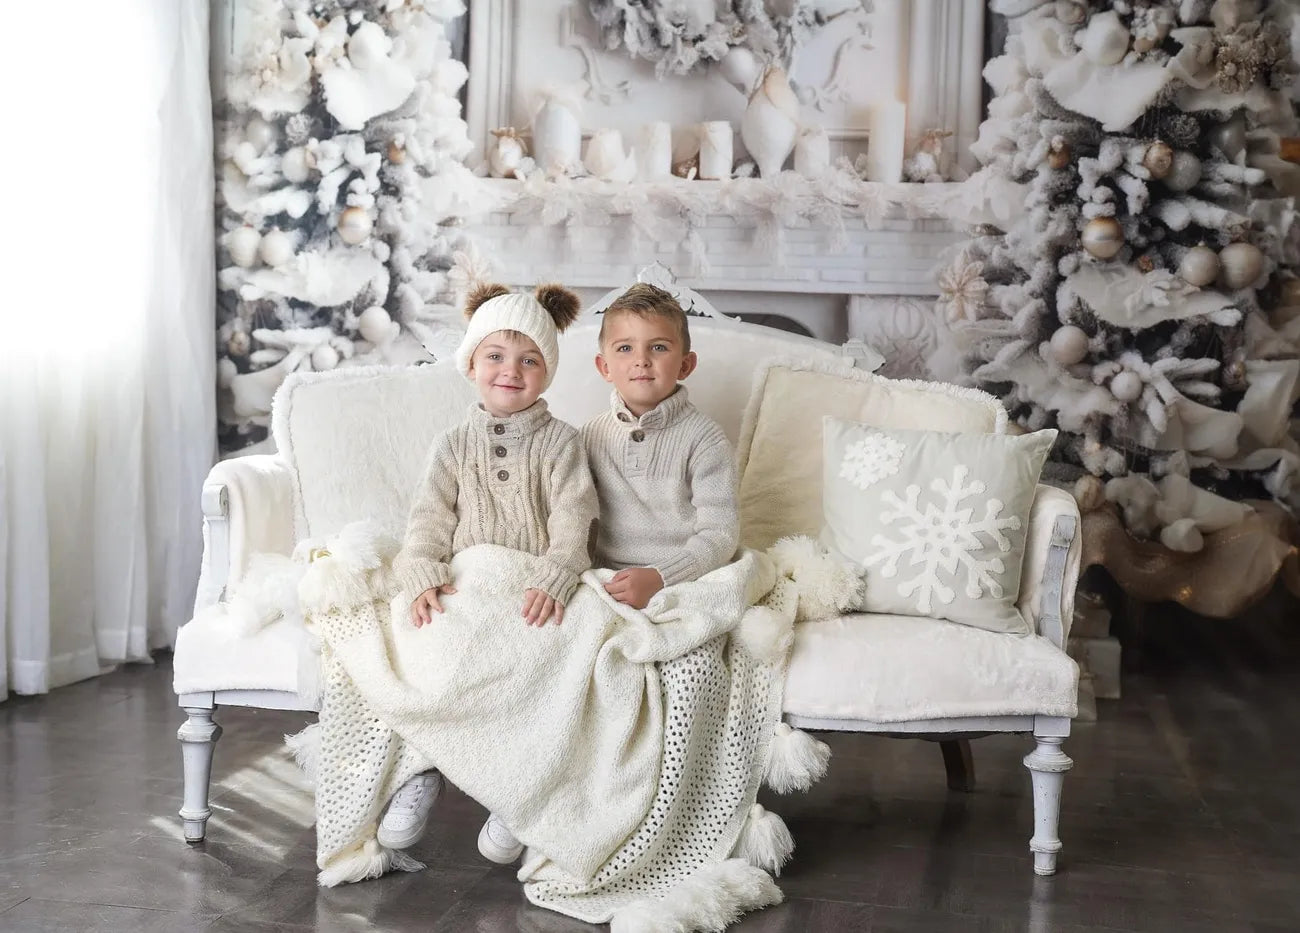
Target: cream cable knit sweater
x,y
520,482
667,487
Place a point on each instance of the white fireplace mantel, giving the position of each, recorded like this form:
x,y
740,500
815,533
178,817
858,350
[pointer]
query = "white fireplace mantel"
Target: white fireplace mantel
x,y
809,278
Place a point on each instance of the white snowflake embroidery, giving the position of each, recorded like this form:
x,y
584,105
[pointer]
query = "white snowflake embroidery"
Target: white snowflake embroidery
x,y
868,461
941,536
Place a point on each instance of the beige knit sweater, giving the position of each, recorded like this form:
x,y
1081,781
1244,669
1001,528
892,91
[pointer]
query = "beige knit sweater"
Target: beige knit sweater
x,y
521,482
667,488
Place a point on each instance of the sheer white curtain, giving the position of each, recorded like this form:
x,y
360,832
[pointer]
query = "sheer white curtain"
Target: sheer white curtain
x,y
106,332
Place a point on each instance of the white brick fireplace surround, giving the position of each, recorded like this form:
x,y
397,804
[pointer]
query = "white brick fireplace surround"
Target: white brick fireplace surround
x,y
807,281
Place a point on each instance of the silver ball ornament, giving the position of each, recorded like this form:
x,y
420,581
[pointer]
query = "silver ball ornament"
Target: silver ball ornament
x,y
1069,345
1126,386
1199,266
1184,173
354,225
1103,237
1239,265
1229,137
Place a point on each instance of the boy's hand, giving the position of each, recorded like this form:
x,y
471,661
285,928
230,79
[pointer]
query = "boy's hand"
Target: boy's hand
x,y
539,608
427,602
635,586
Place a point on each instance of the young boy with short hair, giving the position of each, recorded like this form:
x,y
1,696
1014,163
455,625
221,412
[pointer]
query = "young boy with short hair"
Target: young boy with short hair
x,y
664,472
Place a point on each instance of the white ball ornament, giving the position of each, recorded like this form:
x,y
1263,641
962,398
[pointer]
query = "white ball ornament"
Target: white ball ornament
x,y
1199,266
242,243
294,165
1103,237
324,358
1184,172
354,225
1126,386
276,247
1105,39
374,324
226,372
1069,345
259,133
1239,265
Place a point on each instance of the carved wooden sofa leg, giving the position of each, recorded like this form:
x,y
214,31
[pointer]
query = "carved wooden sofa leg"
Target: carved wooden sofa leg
x,y
959,764
198,736
1047,765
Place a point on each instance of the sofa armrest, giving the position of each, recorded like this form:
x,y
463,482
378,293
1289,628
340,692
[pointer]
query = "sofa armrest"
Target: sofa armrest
x,y
247,509
1050,572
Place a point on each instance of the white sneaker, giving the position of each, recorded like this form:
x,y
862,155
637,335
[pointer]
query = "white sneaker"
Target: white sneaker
x,y
498,844
408,812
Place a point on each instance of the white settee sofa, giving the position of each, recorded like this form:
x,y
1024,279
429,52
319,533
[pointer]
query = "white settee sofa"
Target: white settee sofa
x,y
352,442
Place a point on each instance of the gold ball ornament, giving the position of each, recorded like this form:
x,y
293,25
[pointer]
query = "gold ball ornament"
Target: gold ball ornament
x,y
1199,266
1103,237
1239,265
1234,376
1058,157
1069,345
396,153
239,343
354,225
1144,44
1089,492
1158,159
1289,293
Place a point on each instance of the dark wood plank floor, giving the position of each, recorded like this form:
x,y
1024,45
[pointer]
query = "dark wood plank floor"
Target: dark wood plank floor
x,y
1182,813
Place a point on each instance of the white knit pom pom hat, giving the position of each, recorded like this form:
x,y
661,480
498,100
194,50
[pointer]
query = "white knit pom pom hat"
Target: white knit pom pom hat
x,y
540,317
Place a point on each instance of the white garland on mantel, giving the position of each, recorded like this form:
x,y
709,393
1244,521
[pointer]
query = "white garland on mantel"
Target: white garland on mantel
x,y
677,210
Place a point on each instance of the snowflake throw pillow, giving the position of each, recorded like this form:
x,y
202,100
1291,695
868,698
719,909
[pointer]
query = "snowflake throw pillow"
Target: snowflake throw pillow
x,y
936,521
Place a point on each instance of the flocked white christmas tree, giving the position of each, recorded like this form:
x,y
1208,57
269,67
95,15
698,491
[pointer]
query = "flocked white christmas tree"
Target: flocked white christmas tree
x,y
1133,287
341,155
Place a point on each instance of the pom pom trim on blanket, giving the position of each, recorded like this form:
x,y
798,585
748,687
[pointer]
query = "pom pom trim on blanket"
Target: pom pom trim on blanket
x,y
795,760
711,899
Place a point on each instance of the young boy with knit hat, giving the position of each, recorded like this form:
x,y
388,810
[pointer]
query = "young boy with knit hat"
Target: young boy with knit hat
x,y
511,475
664,472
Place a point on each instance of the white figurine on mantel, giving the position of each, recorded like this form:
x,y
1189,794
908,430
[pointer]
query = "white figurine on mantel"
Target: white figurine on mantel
x,y
924,163
507,157
771,122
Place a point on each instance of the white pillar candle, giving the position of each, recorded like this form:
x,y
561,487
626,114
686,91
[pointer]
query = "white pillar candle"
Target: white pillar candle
x,y
715,150
654,157
812,152
888,129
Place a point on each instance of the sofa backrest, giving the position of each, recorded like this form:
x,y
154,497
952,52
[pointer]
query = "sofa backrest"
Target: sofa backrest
x,y
356,440
730,353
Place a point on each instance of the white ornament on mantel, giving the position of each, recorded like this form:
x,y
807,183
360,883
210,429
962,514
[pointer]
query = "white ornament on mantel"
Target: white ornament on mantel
x,y
606,159
654,154
242,243
887,131
771,123
557,137
812,152
716,150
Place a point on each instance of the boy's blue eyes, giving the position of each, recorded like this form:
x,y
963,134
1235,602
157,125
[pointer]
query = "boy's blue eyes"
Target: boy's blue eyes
x,y
496,358
659,347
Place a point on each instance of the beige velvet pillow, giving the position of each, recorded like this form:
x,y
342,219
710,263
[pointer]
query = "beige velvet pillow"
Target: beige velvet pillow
x,y
936,520
780,449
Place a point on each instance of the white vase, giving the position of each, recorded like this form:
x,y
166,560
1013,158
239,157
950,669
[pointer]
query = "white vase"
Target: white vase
x,y
557,138
812,152
771,123
715,150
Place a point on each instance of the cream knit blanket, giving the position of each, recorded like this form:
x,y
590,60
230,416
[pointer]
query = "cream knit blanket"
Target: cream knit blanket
x,y
624,748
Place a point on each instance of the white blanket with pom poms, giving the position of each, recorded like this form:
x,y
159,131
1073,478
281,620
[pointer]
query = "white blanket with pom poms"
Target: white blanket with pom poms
x,y
624,748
